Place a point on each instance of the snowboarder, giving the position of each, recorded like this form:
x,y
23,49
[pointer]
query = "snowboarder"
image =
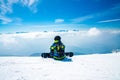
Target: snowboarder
x,y
57,49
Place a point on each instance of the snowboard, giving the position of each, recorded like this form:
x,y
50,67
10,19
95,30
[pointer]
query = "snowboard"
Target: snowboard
x,y
64,55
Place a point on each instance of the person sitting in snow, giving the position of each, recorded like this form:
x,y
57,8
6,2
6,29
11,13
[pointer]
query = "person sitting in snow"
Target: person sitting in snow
x,y
57,48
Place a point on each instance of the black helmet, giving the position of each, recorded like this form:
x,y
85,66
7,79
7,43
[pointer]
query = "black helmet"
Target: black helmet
x,y
57,38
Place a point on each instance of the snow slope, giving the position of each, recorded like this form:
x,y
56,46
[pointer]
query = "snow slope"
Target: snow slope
x,y
82,67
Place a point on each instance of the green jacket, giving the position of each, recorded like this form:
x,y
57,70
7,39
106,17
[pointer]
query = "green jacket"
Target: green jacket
x,y
57,47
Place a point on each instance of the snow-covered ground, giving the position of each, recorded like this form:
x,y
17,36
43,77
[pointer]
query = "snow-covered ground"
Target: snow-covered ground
x,y
81,67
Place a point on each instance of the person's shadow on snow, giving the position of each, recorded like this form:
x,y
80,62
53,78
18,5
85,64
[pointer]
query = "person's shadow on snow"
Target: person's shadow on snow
x,y
67,60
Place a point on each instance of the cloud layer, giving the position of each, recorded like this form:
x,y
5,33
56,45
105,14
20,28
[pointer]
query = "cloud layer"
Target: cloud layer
x,y
91,41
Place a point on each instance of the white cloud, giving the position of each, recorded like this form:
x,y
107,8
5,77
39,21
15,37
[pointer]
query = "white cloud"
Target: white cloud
x,y
27,43
8,40
5,20
81,19
28,2
112,20
109,12
94,32
6,6
31,2
115,31
59,20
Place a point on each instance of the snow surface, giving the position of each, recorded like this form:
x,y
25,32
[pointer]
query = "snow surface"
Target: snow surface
x,y
81,67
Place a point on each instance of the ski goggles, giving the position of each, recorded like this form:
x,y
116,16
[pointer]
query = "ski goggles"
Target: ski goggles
x,y
56,41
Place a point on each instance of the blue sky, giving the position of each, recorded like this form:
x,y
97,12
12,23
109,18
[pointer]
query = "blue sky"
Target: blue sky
x,y
36,14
